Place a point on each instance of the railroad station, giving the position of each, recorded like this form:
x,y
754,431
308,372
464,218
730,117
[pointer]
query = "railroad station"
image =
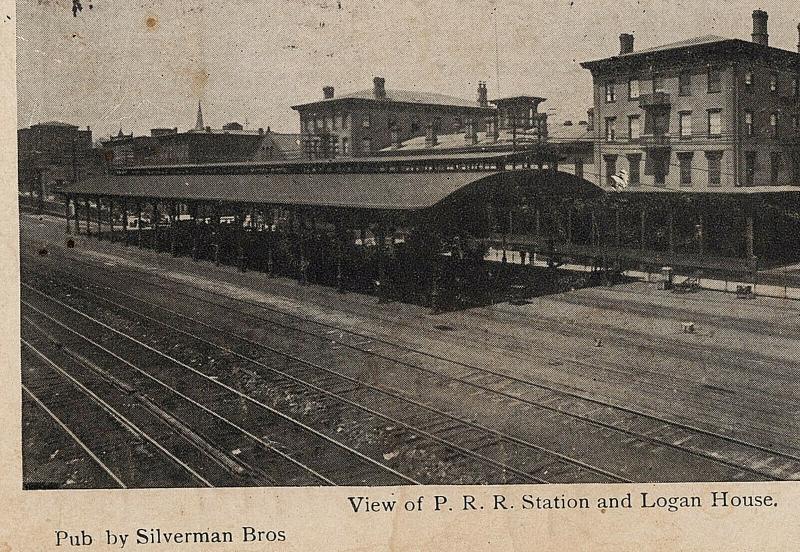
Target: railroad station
x,y
422,288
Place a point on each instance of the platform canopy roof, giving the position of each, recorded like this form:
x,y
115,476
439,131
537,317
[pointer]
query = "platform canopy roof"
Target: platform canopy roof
x,y
380,191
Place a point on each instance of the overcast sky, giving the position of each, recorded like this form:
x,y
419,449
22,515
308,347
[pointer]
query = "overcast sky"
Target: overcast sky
x,y
145,64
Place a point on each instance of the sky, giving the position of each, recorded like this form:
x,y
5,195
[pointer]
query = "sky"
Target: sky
x,y
138,65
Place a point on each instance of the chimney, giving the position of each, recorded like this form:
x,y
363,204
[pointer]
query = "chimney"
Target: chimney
x,y
760,35
430,136
208,129
471,135
379,87
327,92
483,97
798,38
625,43
260,131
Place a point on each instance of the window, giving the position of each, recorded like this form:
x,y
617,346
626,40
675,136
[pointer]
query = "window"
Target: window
x,y
714,80
660,163
685,84
611,165
748,123
633,89
749,168
634,169
714,122
337,121
658,84
345,146
611,130
773,83
773,125
610,96
634,127
795,85
796,122
366,145
685,124
326,122
366,121
685,163
579,167
346,121
748,77
775,167
414,127
714,168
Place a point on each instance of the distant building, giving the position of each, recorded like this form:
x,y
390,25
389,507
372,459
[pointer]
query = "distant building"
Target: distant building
x,y
167,146
702,113
365,122
53,154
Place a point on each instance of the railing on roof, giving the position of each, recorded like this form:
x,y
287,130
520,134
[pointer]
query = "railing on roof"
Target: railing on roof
x,y
442,162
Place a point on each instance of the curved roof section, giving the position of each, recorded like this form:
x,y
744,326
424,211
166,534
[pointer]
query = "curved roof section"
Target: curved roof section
x,y
383,191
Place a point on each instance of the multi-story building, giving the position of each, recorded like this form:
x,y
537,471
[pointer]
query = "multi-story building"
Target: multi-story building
x,y
53,154
202,144
703,113
364,122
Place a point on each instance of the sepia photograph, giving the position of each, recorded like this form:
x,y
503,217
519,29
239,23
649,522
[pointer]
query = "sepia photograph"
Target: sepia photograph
x,y
375,244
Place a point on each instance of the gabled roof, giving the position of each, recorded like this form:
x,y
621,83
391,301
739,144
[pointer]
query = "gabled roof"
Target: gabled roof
x,y
402,96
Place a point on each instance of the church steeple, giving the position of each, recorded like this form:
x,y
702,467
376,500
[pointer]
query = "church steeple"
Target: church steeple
x,y
199,124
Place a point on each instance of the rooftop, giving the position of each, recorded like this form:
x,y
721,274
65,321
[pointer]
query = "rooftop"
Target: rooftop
x,y
402,96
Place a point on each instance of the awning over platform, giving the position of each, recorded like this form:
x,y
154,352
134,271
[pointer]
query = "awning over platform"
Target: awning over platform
x,y
384,191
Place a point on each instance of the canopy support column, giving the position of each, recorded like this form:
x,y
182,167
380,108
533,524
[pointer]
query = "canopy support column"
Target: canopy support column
x,y
99,218
380,237
139,224
88,217
154,224
215,233
239,231
111,234
173,229
67,215
340,247
195,211
125,221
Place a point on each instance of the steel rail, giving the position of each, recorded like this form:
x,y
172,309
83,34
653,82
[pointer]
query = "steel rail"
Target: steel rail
x,y
552,389
74,437
225,386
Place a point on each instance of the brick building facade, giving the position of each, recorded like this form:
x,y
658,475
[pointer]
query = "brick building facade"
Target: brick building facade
x,y
365,122
53,154
703,113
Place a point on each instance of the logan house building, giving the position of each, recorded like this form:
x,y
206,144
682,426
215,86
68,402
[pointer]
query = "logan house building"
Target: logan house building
x,y
707,112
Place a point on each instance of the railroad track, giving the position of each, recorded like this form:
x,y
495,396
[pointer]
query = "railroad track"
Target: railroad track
x,y
514,460
31,401
143,421
172,391
625,371
739,455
